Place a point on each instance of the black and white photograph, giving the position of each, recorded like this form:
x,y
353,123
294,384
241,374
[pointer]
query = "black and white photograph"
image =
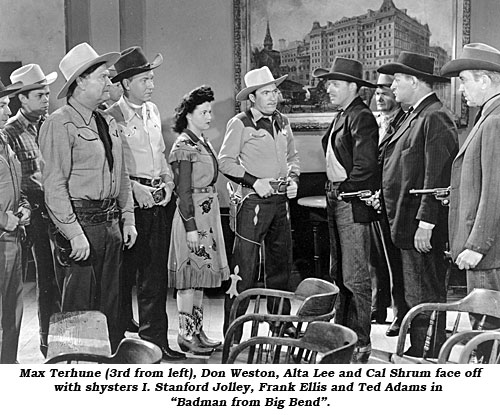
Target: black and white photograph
x,y
220,185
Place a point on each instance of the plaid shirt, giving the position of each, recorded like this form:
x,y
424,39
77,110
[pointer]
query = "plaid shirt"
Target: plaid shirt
x,y
22,136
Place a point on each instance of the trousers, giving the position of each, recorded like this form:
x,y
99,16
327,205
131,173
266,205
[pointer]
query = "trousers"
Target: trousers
x,y
261,222
349,256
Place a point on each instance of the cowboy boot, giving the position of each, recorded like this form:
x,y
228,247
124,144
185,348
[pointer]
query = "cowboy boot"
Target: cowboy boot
x,y
186,339
205,341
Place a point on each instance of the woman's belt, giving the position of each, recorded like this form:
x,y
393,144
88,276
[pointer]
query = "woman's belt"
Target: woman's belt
x,y
208,189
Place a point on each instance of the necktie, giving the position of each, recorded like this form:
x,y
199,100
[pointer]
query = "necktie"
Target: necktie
x,y
266,124
405,117
103,131
478,115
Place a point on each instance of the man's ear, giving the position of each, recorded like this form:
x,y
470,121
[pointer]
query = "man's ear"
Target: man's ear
x,y
251,97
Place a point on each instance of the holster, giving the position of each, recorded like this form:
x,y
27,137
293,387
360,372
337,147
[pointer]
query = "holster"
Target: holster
x,y
234,205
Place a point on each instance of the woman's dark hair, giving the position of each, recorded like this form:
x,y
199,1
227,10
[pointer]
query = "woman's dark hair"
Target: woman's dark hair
x,y
189,103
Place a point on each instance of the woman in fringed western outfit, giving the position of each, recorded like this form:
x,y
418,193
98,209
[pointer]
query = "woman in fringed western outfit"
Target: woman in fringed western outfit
x,y
197,257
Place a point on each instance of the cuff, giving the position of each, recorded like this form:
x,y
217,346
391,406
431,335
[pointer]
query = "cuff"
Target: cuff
x,y
426,225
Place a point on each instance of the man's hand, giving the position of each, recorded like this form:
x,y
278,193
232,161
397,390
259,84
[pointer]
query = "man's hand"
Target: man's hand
x,y
143,196
192,240
12,221
422,240
263,188
25,216
291,189
374,201
468,259
168,194
129,236
80,248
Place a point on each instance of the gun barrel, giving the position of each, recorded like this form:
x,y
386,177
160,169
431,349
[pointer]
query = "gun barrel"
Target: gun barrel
x,y
435,191
360,194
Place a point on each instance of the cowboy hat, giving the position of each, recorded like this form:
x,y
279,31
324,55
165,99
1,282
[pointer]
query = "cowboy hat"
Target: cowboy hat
x,y
257,78
475,56
409,63
9,90
78,60
344,69
384,80
32,77
132,62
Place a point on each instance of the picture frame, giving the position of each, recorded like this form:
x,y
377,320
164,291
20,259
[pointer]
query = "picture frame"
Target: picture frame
x,y
304,116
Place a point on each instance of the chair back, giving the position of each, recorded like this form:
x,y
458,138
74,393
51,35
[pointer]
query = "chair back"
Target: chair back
x,y
319,298
483,348
136,351
325,343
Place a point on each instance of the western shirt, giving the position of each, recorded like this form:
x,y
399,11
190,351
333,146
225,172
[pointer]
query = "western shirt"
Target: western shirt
x,y
75,166
249,153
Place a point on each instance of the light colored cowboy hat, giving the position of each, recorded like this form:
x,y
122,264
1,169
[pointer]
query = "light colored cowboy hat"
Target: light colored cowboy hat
x,y
421,66
32,77
133,62
78,60
384,80
10,89
257,78
475,56
343,69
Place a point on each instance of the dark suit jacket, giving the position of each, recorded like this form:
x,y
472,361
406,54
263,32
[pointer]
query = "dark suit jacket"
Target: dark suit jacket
x,y
418,156
474,220
355,146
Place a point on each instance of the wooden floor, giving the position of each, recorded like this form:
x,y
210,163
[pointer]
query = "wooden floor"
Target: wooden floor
x,y
29,352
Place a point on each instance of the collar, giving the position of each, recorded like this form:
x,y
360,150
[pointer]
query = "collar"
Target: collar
x,y
415,106
129,109
257,115
344,108
489,102
83,111
28,119
191,135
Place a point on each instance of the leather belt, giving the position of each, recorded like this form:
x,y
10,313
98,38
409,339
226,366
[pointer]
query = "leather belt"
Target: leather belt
x,y
208,189
99,217
147,182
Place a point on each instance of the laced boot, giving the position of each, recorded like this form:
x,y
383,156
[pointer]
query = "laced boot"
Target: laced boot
x,y
187,341
205,341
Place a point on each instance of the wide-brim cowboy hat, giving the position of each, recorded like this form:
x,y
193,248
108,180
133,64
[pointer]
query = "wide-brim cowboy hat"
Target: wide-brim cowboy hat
x,y
32,77
343,69
475,56
78,60
257,78
9,90
133,62
409,63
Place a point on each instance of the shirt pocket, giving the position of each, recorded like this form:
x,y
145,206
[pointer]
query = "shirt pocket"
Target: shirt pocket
x,y
30,159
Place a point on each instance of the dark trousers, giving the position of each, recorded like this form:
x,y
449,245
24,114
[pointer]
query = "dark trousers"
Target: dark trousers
x,y
261,221
94,284
425,282
48,294
145,265
384,255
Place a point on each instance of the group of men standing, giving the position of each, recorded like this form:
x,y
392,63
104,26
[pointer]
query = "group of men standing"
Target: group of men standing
x,y
96,190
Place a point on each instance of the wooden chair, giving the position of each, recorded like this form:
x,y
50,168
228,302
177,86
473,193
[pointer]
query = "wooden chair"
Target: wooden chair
x,y
129,351
483,348
481,302
314,300
322,342
451,350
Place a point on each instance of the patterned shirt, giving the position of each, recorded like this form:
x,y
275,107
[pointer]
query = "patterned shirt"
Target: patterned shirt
x,y
23,139
76,168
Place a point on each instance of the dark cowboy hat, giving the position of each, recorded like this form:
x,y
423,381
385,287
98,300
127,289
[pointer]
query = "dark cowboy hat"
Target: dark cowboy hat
x,y
344,69
409,63
475,56
132,62
10,89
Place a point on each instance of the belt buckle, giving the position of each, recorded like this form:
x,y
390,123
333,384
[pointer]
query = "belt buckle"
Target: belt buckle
x,y
156,182
110,215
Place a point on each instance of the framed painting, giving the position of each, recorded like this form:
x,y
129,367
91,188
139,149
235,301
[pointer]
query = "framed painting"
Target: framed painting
x,y
295,38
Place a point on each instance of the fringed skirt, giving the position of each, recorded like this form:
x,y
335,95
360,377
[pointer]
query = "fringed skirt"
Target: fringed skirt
x,y
206,267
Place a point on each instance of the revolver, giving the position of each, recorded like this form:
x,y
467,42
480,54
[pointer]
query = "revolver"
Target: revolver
x,y
440,193
361,194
